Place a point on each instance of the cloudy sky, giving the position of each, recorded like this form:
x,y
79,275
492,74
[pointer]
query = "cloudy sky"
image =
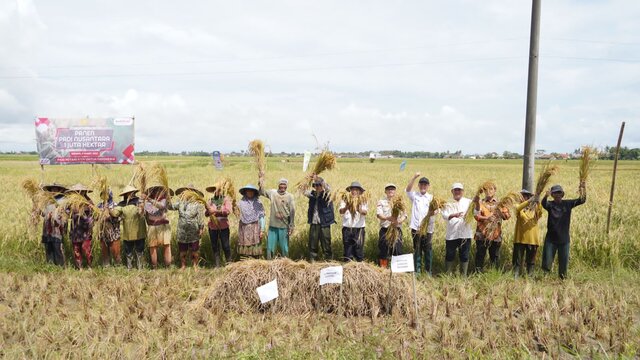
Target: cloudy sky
x,y
359,75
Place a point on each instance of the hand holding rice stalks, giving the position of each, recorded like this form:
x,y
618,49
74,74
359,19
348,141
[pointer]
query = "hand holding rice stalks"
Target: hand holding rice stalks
x,y
587,162
326,161
188,196
508,202
39,199
256,149
468,216
398,207
225,187
435,205
548,171
158,173
353,203
77,203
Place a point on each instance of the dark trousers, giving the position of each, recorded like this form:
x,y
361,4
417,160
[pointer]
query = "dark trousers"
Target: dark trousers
x,y
461,245
549,253
53,251
220,238
383,246
129,247
322,234
422,249
526,251
481,251
353,241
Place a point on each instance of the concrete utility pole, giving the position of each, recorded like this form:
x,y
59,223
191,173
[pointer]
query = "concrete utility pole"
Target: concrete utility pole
x,y
528,167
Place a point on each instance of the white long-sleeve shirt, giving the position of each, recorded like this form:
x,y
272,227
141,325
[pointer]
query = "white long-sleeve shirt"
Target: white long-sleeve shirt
x,y
419,209
456,227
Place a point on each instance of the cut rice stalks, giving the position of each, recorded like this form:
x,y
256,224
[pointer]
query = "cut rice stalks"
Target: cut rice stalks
x,y
468,216
225,187
587,162
398,207
40,199
139,179
508,202
158,174
256,149
325,161
547,172
435,205
352,203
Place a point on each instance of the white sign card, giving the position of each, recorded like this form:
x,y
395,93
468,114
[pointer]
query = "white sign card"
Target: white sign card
x,y
268,291
305,162
331,275
402,263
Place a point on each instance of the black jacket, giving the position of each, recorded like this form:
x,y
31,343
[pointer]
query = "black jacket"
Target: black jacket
x,y
325,209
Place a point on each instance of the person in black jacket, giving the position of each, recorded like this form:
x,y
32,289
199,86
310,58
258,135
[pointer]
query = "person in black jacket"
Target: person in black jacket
x,y
320,216
558,224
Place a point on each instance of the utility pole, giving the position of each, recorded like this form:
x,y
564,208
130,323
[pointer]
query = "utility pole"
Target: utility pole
x,y
528,167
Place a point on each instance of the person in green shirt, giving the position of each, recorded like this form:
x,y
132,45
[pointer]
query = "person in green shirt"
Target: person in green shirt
x,y
134,227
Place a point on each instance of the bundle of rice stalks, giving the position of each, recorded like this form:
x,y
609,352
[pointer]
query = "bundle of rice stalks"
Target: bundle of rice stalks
x,y
364,290
77,203
508,202
398,207
353,203
587,161
39,199
437,203
326,161
226,188
157,173
101,187
256,149
543,179
468,216
139,179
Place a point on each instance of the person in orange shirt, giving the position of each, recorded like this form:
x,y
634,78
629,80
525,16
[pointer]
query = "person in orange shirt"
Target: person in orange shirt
x,y
489,230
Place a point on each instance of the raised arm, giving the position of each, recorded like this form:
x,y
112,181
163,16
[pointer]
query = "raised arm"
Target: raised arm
x,y
411,182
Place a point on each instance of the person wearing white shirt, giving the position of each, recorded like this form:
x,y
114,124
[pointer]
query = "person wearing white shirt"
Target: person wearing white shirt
x,y
459,233
353,225
387,220
420,200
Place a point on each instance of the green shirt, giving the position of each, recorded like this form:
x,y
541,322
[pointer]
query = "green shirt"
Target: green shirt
x,y
134,226
282,208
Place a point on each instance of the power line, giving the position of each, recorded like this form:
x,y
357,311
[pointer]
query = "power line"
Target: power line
x,y
620,43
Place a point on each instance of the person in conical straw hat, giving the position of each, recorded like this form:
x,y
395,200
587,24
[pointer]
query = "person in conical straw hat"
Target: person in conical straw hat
x,y
219,206
81,231
353,224
190,225
155,200
54,224
134,228
252,223
110,233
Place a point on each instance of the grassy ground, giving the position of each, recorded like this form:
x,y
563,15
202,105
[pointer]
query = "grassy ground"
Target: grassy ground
x,y
46,312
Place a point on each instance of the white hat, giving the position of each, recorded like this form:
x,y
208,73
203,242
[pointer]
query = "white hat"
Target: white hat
x,y
457,186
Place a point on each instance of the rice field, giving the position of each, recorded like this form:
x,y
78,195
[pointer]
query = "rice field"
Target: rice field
x,y
50,312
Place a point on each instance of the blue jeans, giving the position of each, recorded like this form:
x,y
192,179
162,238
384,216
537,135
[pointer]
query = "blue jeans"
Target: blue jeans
x,y
549,253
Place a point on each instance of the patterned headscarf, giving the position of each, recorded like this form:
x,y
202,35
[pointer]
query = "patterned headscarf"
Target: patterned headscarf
x,y
250,210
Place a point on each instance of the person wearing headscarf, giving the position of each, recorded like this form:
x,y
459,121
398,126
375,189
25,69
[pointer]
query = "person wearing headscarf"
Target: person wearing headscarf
x,y
54,225
110,233
251,224
190,225
81,230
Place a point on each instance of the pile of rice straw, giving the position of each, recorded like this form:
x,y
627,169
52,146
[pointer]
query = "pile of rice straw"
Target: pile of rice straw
x,y
365,289
468,216
256,149
326,161
397,207
436,204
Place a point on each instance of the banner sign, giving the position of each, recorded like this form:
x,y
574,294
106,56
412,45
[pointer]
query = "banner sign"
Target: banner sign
x,y
305,162
217,160
402,263
268,291
331,275
85,141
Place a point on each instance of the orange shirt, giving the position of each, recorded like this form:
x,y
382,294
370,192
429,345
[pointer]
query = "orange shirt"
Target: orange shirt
x,y
490,229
